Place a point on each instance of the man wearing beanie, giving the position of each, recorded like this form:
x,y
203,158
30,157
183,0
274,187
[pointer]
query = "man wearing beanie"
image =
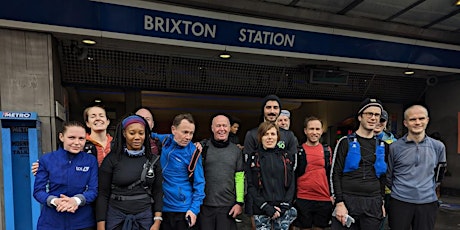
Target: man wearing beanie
x,y
224,176
271,107
358,173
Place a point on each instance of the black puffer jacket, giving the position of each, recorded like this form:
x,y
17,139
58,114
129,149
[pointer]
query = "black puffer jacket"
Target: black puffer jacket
x,y
271,180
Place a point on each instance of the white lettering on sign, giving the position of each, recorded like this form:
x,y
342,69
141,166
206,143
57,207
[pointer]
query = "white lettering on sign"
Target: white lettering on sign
x,y
16,115
177,26
266,37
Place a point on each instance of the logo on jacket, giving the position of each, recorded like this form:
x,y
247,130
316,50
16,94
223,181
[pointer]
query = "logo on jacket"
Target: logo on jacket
x,y
82,169
281,144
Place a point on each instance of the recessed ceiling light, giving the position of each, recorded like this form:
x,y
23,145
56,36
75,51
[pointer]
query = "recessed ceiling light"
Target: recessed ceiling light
x,y
88,42
409,72
98,100
225,55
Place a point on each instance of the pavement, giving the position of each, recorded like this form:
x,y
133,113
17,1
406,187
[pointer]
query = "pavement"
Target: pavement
x,y
448,215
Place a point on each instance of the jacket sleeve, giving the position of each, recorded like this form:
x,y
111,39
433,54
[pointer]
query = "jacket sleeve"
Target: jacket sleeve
x,y
338,162
253,191
105,181
290,193
250,143
239,179
91,193
157,188
160,137
292,145
198,187
40,184
390,166
383,178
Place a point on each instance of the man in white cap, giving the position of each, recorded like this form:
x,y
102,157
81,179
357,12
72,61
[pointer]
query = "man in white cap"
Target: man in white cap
x,y
284,119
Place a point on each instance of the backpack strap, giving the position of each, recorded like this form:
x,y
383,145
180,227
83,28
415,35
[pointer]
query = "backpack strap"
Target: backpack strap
x,y
327,162
254,164
148,172
90,148
300,162
192,165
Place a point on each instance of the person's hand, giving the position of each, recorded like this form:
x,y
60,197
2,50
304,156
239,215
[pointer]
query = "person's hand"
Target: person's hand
x,y
34,167
192,217
235,211
101,225
155,225
66,204
199,146
277,213
332,200
383,210
341,212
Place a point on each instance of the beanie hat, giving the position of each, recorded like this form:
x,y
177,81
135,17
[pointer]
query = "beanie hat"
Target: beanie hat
x,y
285,113
271,97
131,120
368,102
384,116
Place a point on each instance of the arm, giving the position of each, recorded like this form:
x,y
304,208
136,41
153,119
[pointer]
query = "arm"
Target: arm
x,y
89,196
157,189
239,179
338,162
105,181
41,181
389,174
441,164
292,145
198,188
383,177
157,192
160,137
239,187
250,143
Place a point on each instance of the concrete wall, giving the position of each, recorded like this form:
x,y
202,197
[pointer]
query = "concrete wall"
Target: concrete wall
x,y
27,84
443,104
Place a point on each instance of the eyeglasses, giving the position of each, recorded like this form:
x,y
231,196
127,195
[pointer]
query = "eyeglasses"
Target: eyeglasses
x,y
371,114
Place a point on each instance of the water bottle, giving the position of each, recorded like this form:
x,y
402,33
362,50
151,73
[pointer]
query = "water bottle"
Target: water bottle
x,y
380,166
353,156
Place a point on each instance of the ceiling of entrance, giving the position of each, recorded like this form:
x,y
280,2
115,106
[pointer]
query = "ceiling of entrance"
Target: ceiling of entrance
x,y
432,20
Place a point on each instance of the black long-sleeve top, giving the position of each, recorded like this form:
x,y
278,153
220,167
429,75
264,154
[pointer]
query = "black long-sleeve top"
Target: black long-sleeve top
x,y
362,181
114,177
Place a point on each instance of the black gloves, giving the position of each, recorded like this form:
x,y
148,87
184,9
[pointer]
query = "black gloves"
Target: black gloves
x,y
269,210
284,207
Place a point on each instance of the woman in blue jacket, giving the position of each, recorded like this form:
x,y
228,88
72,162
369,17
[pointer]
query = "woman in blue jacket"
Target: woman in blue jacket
x,y
66,183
